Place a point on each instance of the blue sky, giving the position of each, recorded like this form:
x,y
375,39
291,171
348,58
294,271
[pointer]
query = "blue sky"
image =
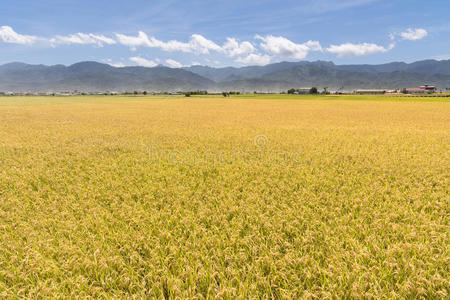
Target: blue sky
x,y
223,33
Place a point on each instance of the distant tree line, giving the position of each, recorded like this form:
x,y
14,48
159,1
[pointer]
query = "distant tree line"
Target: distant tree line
x,y
228,94
188,94
225,94
312,91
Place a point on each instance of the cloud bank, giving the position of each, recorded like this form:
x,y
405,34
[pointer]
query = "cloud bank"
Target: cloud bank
x,y
262,50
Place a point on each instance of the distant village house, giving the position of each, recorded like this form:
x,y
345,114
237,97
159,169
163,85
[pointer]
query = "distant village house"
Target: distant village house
x,y
422,90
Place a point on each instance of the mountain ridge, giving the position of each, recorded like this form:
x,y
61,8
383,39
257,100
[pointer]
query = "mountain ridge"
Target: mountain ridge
x,y
95,76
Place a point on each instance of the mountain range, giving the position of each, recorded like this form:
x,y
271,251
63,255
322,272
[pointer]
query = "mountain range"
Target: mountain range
x,y
94,76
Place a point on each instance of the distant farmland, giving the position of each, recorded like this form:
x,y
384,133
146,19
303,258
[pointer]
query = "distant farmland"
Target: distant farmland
x,y
250,196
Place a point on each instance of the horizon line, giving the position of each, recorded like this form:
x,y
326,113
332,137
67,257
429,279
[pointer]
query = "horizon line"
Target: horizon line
x,y
220,67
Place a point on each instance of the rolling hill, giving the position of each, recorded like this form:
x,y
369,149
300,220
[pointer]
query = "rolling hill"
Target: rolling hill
x,y
94,76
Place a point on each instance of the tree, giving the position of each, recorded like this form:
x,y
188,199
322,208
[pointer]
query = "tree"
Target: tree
x,y
291,91
145,93
313,91
188,94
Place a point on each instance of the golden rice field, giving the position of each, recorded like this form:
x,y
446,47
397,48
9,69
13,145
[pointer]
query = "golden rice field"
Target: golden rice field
x,y
272,197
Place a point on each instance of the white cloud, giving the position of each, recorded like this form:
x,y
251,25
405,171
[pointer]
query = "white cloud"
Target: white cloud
x,y
442,57
245,52
197,43
349,49
173,63
414,34
280,46
143,62
132,41
114,64
117,65
234,48
8,35
82,39
254,59
200,44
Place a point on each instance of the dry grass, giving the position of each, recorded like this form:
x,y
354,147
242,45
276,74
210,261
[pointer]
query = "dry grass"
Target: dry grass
x,y
175,197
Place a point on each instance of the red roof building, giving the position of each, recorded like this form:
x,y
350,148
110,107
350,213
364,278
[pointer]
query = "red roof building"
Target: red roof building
x,y
430,88
423,89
